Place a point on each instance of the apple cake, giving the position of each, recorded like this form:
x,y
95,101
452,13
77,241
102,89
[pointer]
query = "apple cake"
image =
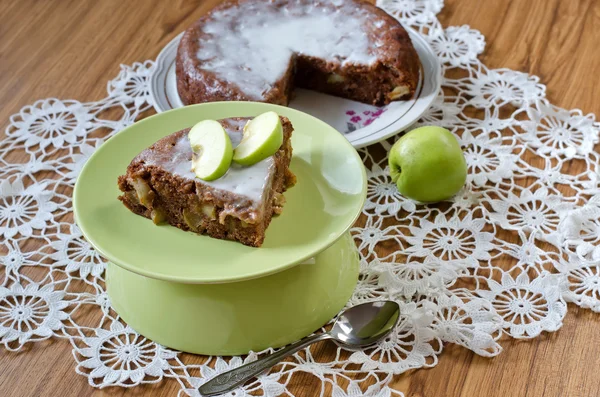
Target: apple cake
x,y
159,184
259,50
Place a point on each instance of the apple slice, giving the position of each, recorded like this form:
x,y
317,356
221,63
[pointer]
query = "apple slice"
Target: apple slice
x,y
212,150
263,136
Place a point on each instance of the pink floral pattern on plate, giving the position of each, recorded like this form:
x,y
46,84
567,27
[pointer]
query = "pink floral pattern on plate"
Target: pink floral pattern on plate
x,y
359,119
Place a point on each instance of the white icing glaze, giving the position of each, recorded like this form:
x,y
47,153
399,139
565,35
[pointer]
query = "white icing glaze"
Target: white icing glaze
x,y
251,181
251,45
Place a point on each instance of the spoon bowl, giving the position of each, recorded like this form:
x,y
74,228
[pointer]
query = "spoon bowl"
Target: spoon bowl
x,y
355,327
365,324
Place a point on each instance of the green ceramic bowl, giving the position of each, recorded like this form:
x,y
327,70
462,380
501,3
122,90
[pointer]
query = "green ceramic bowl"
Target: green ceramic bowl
x,y
204,295
235,318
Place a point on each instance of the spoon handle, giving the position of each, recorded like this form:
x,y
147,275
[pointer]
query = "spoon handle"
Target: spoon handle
x,y
229,380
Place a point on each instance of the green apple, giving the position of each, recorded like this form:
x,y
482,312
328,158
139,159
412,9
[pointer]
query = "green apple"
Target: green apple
x,y
427,164
263,136
212,150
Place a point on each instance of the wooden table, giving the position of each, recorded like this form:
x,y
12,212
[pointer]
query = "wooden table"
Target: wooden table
x,y
71,48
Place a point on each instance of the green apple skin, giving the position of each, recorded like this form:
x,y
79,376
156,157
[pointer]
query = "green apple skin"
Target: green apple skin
x,y
211,150
263,136
427,164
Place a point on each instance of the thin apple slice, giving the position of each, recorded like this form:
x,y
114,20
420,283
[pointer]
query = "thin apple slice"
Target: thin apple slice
x,y
212,150
263,136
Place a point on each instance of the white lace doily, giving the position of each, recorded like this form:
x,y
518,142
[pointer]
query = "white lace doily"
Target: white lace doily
x,y
503,257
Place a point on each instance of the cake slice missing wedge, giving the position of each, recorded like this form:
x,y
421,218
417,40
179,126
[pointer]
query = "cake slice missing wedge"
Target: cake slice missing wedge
x,y
160,185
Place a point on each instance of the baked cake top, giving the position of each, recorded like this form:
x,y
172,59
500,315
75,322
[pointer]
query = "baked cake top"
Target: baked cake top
x,y
174,154
250,43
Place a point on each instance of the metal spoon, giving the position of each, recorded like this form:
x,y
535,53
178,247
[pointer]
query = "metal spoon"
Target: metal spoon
x,y
358,326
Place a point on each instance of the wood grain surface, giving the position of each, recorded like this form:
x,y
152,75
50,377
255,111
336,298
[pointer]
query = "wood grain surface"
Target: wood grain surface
x,y
71,48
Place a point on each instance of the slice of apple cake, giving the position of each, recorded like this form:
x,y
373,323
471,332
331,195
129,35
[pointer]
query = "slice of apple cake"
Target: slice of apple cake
x,y
160,185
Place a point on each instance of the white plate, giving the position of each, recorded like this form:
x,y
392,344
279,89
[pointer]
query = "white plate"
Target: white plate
x,y
361,124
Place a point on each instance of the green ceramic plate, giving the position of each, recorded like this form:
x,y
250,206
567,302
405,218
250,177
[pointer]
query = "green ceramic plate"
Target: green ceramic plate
x,y
325,202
